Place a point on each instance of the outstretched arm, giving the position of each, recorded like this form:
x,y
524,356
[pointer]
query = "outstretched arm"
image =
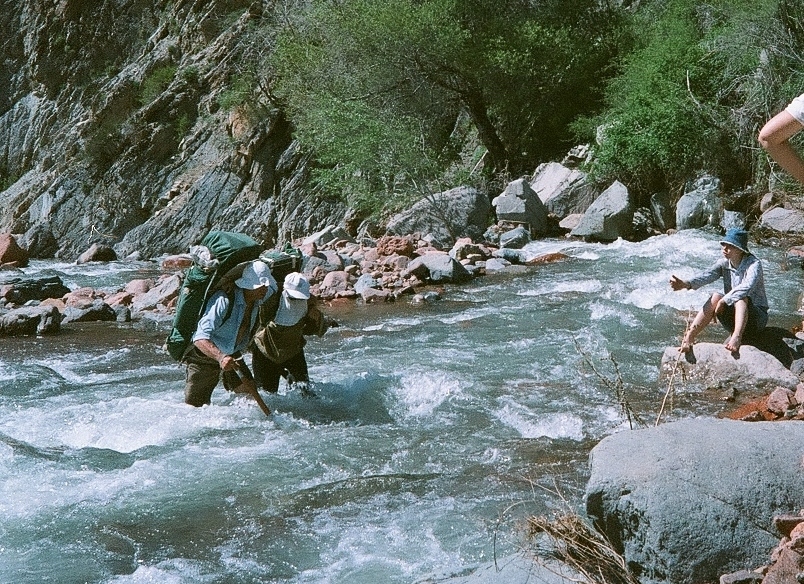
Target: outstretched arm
x,y
775,139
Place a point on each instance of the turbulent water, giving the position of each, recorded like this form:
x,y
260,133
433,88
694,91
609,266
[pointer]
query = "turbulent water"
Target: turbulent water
x,y
437,430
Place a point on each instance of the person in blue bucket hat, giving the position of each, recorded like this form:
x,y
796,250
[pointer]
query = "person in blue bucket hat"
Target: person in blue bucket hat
x,y
742,308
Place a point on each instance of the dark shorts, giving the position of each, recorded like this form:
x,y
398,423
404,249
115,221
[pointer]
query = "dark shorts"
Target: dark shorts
x,y
757,319
203,374
267,373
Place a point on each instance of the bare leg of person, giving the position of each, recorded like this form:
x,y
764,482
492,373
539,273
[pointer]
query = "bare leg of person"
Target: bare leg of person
x,y
734,342
703,318
775,139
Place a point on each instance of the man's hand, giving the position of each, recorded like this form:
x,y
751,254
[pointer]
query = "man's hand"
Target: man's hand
x,y
677,283
227,363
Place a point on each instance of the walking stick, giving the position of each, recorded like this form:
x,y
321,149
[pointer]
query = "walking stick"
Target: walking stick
x,y
248,386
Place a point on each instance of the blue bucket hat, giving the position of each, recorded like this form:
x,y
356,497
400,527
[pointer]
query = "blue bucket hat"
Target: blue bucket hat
x,y
737,238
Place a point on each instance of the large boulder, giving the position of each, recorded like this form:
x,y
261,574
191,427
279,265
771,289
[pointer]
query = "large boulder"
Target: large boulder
x,y
11,252
783,220
700,206
711,364
21,289
447,216
663,210
564,191
609,217
437,267
30,320
688,501
519,203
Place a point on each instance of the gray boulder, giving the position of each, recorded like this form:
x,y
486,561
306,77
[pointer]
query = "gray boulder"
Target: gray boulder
x,y
20,289
733,220
701,206
516,238
519,203
97,311
564,191
447,216
688,501
663,210
755,371
30,320
783,220
437,267
609,217
97,253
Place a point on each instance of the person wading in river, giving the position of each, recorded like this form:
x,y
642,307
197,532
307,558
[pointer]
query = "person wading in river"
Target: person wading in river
x,y
743,306
219,339
279,344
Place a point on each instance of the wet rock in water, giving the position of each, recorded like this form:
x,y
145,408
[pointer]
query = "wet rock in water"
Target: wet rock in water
x,y
609,217
165,290
30,320
11,253
753,370
516,238
690,500
97,311
19,290
97,252
437,267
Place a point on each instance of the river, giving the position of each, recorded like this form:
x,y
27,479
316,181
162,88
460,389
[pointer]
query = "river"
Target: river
x,y
437,430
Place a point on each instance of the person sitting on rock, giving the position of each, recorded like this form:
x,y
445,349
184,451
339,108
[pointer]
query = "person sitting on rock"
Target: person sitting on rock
x,y
224,331
278,349
743,306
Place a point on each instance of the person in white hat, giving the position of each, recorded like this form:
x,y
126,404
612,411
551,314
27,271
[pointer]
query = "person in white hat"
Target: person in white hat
x,y
279,344
225,329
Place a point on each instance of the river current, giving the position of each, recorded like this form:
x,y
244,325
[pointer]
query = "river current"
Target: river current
x,y
437,429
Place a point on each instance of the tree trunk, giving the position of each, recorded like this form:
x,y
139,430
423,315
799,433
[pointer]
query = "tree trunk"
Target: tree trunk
x,y
473,99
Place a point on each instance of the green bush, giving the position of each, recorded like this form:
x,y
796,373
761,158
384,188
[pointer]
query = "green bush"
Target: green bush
x,y
155,83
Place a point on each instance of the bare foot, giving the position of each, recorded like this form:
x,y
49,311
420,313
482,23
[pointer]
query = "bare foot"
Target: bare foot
x,y
685,347
733,343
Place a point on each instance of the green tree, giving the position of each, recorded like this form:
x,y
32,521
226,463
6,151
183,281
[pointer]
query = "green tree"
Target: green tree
x,y
691,95
377,87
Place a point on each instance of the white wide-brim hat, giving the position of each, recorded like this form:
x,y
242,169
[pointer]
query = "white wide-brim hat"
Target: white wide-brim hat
x,y
297,286
255,275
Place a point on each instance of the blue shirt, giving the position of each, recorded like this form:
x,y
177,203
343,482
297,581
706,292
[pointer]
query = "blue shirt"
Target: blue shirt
x,y
223,333
744,281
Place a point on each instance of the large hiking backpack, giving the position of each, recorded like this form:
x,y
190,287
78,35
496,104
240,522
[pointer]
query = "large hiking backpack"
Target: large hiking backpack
x,y
282,262
219,253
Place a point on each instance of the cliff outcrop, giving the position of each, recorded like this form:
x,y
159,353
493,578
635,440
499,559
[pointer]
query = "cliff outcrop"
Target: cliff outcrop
x,y
118,127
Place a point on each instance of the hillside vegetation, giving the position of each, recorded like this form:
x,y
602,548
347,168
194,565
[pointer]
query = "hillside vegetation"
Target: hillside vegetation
x,y
143,123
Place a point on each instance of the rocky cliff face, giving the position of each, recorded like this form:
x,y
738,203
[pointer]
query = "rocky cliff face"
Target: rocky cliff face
x,y
115,129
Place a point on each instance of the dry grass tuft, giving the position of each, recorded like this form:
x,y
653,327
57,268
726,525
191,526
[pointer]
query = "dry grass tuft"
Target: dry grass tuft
x,y
576,544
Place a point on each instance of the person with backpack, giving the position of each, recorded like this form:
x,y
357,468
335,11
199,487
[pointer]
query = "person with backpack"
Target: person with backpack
x,y
225,329
279,344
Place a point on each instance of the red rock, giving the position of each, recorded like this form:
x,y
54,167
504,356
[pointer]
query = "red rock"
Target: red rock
x,y
395,244
11,252
177,262
780,400
139,286
120,299
547,258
